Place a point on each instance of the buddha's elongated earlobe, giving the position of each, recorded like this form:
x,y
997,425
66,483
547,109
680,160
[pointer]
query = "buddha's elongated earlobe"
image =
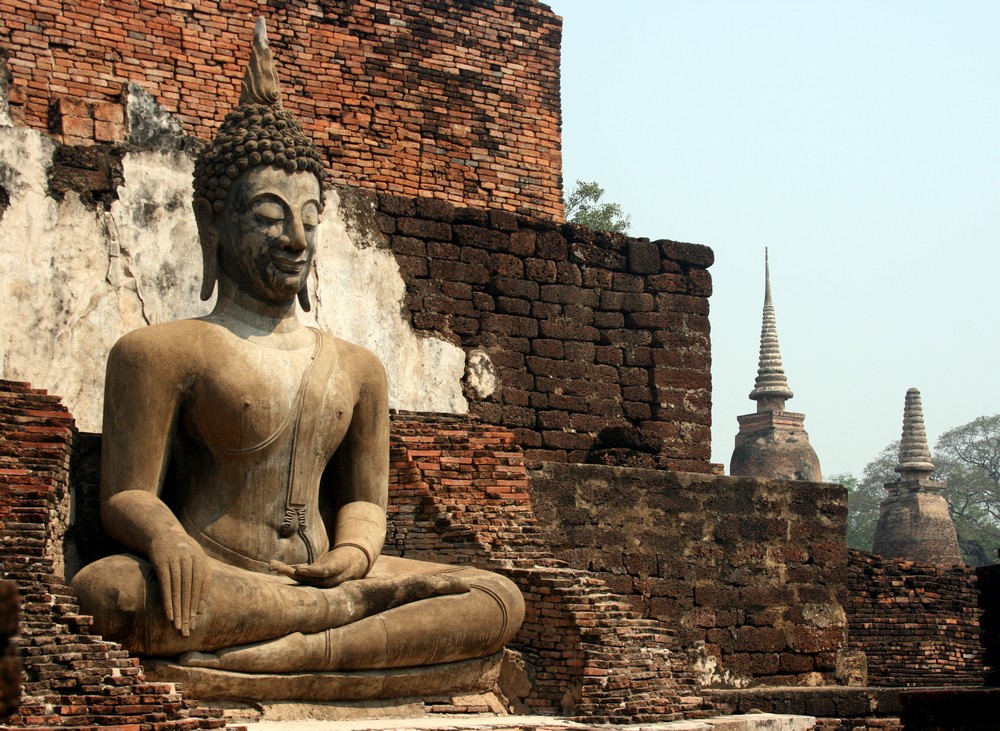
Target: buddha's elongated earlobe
x,y
303,297
210,267
209,239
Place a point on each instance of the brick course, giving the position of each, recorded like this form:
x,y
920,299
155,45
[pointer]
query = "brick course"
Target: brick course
x,y
917,624
458,492
449,100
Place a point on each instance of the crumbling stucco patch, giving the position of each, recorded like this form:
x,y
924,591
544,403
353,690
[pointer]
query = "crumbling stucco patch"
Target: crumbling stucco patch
x,y
481,379
359,293
77,277
58,319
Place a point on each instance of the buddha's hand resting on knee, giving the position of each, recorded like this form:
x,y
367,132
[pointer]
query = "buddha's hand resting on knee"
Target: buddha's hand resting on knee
x,y
333,568
182,570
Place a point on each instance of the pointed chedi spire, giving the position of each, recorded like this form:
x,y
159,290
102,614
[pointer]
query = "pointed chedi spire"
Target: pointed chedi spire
x,y
914,456
771,387
772,442
914,521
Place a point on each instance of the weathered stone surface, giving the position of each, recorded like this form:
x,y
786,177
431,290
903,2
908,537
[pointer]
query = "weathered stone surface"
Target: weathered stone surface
x,y
774,444
914,519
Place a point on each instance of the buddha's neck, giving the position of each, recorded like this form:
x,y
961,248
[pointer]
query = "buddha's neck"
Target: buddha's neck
x,y
250,317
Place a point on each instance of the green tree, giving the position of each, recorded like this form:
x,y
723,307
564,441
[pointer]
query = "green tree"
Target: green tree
x,y
865,495
968,459
583,206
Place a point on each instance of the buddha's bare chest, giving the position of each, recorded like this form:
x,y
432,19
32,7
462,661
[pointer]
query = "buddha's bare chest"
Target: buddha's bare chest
x,y
258,398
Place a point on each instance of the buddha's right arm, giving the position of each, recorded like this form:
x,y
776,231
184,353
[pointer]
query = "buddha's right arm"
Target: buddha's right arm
x,y
142,397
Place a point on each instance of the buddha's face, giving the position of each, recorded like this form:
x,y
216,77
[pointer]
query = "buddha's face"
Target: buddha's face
x,y
267,232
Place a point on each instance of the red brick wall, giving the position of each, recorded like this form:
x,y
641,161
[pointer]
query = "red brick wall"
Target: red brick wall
x,y
452,100
601,342
71,677
917,624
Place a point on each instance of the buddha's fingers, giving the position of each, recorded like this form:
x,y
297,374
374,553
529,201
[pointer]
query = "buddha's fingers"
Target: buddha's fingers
x,y
187,587
167,590
282,568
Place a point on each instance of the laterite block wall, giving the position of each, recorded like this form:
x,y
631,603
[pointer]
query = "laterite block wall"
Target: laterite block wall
x,y
452,100
750,573
601,342
459,492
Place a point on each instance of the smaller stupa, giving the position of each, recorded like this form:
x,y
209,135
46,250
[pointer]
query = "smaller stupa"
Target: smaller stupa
x,y
773,442
914,522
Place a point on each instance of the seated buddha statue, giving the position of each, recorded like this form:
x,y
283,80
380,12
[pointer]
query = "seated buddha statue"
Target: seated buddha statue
x,y
245,460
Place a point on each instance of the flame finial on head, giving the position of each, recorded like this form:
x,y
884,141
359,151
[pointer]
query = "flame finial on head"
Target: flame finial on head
x,y
259,132
260,83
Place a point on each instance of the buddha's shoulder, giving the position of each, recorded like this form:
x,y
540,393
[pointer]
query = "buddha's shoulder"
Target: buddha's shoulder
x,y
357,359
161,339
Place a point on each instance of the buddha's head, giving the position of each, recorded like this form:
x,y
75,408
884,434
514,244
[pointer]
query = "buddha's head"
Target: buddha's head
x,y
258,192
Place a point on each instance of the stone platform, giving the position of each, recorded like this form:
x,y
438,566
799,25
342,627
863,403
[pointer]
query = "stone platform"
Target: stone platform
x,y
748,722
469,676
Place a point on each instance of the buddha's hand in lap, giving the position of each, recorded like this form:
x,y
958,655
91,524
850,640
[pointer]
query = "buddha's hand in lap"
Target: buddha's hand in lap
x,y
341,564
182,571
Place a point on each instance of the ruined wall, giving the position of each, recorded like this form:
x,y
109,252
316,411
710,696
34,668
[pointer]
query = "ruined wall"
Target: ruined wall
x,y
71,677
749,572
589,346
458,494
917,624
452,100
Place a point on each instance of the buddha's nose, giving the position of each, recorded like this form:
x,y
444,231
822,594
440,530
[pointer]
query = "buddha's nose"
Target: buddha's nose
x,y
295,236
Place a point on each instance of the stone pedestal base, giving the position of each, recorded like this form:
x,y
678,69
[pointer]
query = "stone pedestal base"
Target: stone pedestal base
x,y
468,676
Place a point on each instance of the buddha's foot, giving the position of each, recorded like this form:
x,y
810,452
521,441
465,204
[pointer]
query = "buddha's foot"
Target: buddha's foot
x,y
199,660
374,596
281,655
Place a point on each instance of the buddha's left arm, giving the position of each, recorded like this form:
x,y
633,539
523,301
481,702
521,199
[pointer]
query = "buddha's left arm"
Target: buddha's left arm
x,y
363,465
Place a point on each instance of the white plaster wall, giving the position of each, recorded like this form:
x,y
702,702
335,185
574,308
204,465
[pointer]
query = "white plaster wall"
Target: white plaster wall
x,y
358,295
74,280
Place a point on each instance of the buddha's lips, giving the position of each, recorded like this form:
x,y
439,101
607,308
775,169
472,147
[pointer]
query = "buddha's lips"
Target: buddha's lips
x,y
291,266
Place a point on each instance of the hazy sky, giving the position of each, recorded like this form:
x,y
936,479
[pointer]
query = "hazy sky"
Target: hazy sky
x,y
860,142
